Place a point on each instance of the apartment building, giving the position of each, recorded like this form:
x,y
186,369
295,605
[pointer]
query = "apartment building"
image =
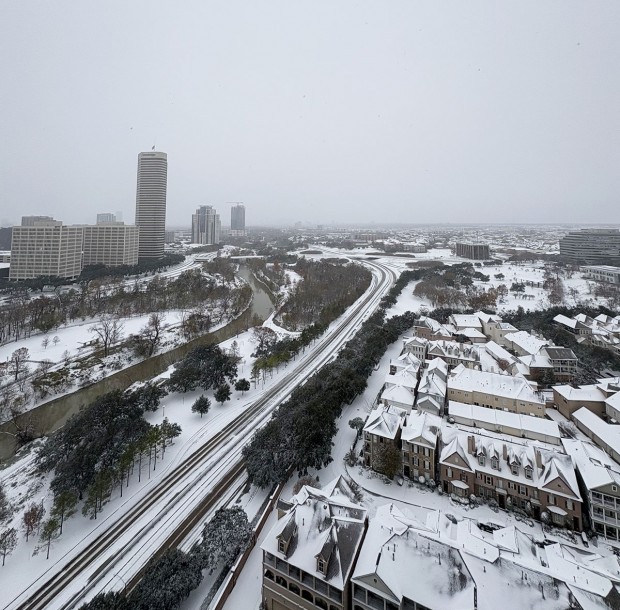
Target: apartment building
x,y
592,246
503,422
603,273
419,445
521,474
310,553
568,399
399,388
599,478
494,391
111,243
43,247
416,346
206,226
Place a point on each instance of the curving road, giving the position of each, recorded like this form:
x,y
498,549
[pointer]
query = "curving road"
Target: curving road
x,y
164,513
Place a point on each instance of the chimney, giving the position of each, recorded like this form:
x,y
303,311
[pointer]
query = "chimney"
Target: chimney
x,y
538,459
505,452
471,445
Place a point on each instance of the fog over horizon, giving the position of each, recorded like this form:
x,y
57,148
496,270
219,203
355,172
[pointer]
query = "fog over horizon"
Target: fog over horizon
x,y
314,112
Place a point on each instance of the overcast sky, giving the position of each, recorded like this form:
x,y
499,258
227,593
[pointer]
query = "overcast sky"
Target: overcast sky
x,y
319,111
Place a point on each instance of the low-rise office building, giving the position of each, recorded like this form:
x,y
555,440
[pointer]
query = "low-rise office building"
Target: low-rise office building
x,y
111,243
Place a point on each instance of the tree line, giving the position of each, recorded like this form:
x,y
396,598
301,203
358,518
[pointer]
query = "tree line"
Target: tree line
x,y
169,579
299,435
326,291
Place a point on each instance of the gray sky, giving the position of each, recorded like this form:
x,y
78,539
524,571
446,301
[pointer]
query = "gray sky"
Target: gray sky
x,y
319,111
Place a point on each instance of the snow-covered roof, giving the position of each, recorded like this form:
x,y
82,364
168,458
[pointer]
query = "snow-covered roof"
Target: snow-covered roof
x,y
527,342
586,393
493,419
470,380
385,421
322,524
462,321
609,434
399,394
453,349
394,550
422,427
550,466
596,468
407,377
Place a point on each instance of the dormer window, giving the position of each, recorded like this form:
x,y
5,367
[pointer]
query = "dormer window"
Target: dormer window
x,y
282,546
481,460
494,463
528,472
514,467
320,565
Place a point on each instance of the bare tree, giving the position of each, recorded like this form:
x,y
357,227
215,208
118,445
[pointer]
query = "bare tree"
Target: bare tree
x,y
56,340
108,330
32,518
8,542
150,334
45,342
18,360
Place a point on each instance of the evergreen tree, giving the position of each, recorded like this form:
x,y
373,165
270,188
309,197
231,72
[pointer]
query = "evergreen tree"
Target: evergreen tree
x,y
224,537
242,385
201,405
222,393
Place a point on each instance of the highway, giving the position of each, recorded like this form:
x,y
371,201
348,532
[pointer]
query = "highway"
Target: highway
x,y
167,510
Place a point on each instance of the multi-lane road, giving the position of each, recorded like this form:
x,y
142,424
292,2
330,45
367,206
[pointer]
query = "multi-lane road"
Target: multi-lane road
x,y
168,509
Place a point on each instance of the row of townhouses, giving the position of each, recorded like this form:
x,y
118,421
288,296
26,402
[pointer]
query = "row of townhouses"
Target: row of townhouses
x,y
325,552
602,331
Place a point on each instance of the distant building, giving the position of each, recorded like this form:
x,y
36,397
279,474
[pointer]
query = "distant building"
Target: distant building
x,y
106,217
171,237
151,203
43,246
5,238
592,246
603,273
206,226
237,220
477,252
112,244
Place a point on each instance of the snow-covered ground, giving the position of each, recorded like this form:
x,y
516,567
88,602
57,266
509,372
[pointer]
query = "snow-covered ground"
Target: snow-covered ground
x,y
24,487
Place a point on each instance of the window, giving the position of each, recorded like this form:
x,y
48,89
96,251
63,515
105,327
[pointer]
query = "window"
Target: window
x,y
463,477
569,504
416,449
320,565
528,472
269,574
281,546
494,463
488,480
320,603
481,460
522,490
515,469
426,452
427,465
293,588
280,581
306,595
450,473
550,499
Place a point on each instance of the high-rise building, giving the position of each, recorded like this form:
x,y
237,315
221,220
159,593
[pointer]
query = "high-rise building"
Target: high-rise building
x,y
111,244
42,246
106,217
474,251
237,220
206,225
151,203
592,246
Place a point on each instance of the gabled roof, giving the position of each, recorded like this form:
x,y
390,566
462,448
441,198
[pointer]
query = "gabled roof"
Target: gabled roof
x,y
422,427
385,421
322,524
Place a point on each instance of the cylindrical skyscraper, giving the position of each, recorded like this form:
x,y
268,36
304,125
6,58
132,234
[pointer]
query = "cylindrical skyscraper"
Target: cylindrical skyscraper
x,y
151,203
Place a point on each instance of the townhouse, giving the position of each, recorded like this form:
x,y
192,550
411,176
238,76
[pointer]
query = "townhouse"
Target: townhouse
x,y
310,553
520,474
494,391
599,478
381,435
419,445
